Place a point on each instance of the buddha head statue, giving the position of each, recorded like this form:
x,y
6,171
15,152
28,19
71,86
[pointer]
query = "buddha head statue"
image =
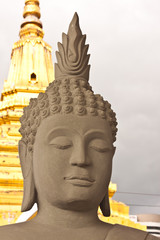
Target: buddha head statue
x,y
68,132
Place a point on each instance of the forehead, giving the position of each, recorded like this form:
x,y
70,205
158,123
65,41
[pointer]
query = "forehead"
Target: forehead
x,y
71,122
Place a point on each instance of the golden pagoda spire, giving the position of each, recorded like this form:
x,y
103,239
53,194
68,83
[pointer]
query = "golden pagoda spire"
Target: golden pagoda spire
x,y
31,68
31,24
30,72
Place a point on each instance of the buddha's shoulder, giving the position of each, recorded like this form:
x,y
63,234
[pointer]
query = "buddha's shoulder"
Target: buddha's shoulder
x,y
13,231
119,232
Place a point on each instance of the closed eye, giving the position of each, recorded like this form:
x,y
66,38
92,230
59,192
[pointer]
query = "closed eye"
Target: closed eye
x,y
61,142
98,149
62,146
99,145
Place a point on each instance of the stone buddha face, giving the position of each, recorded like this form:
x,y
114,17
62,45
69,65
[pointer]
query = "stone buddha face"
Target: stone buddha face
x,y
72,161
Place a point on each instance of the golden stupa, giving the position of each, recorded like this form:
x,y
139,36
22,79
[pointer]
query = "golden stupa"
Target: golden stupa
x,y
31,71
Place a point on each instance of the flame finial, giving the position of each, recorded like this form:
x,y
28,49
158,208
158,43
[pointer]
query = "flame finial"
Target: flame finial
x,y
72,58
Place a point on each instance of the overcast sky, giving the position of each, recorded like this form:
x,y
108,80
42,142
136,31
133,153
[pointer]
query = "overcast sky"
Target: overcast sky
x,y
124,39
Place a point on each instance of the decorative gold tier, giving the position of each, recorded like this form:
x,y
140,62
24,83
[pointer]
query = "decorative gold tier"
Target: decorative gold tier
x,y
31,23
11,183
31,70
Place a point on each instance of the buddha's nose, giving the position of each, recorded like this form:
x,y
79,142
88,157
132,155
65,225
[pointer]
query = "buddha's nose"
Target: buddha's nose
x,y
79,157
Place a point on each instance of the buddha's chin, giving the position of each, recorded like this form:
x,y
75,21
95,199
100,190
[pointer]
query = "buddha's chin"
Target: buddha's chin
x,y
78,201
78,205
77,196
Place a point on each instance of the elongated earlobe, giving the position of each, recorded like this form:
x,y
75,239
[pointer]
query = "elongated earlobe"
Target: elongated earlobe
x,y
29,194
105,207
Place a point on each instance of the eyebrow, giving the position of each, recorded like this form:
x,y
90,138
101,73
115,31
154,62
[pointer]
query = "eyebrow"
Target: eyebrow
x,y
96,132
60,131
57,131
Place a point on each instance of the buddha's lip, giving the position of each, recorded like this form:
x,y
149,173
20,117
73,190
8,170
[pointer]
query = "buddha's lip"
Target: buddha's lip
x,y
85,178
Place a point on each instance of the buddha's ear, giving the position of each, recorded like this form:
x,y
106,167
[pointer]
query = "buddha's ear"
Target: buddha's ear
x,y
29,194
105,205
25,158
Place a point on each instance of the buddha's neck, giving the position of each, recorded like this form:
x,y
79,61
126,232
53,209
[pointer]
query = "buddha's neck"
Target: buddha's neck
x,y
53,216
